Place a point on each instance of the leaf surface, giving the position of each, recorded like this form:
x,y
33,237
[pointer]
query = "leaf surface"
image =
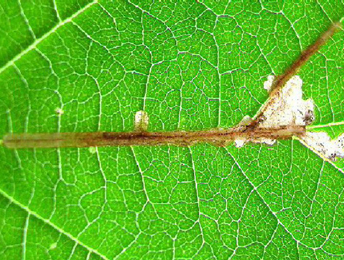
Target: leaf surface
x,y
81,66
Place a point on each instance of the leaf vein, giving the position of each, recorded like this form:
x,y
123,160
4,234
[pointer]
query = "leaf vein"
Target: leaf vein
x,y
46,35
48,222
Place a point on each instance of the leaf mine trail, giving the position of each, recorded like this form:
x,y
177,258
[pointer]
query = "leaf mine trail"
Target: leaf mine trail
x,y
283,116
217,137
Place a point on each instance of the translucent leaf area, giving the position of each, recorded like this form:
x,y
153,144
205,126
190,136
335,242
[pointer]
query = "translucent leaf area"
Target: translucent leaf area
x,y
81,66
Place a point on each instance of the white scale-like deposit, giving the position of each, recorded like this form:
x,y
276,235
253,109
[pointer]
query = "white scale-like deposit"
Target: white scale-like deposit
x,y
141,121
288,108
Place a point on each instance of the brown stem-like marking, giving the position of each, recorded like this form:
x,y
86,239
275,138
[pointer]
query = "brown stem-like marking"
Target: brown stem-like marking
x,y
181,138
305,56
251,132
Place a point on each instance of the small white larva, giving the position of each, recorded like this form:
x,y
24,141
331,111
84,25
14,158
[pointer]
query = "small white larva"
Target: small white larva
x,y
141,121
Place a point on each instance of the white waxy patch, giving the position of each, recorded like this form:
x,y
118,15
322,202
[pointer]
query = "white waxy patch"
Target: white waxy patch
x,y
288,107
59,111
268,83
141,121
322,144
246,120
266,141
285,108
240,142
92,150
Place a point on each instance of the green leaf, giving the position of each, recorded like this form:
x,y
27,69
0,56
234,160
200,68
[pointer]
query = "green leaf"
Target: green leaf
x,y
81,66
